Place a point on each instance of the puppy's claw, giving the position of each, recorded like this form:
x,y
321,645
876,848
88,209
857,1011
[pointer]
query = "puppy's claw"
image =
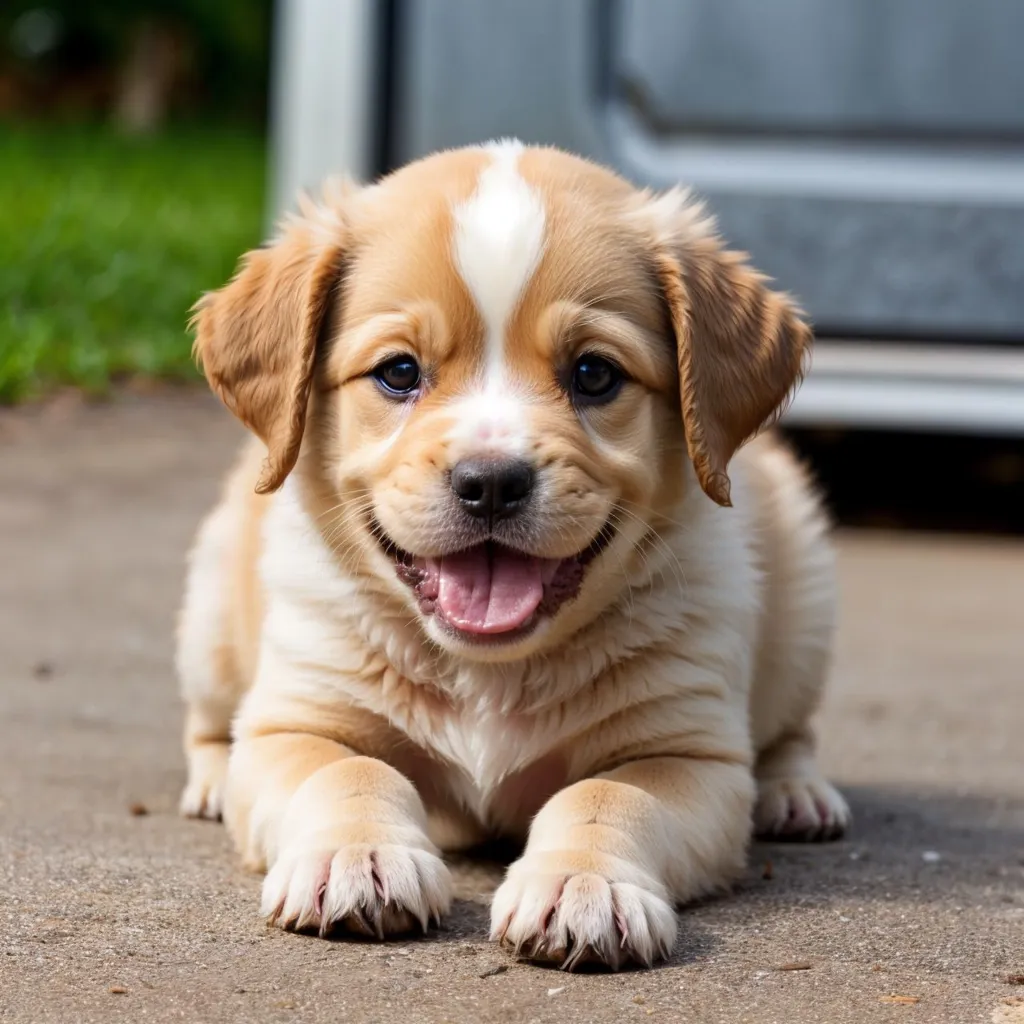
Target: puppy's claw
x,y
803,809
578,919
374,892
499,931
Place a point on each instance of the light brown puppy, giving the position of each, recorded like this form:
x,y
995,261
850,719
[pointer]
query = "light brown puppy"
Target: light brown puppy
x,y
497,564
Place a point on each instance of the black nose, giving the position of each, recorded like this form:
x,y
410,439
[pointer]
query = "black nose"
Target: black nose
x,y
492,488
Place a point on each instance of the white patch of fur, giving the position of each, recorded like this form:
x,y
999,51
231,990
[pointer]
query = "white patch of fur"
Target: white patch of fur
x,y
498,243
493,420
499,240
489,746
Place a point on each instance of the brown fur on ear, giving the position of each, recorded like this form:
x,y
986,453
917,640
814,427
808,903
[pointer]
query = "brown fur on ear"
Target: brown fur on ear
x,y
256,337
741,347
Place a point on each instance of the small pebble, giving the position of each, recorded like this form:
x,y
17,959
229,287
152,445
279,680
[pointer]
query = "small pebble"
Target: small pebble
x,y
555,991
117,990
931,856
138,810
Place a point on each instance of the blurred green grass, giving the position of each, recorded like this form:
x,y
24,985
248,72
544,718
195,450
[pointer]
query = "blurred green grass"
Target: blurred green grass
x,y
105,243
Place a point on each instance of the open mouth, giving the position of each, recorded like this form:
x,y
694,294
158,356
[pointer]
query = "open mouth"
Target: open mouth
x,y
491,592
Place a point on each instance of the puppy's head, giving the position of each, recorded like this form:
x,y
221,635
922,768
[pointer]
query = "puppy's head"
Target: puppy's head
x,y
506,355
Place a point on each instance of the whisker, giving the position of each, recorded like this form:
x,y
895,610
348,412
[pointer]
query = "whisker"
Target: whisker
x,y
662,545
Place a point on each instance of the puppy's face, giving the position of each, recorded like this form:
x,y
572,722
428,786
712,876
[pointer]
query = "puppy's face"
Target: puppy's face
x,y
512,353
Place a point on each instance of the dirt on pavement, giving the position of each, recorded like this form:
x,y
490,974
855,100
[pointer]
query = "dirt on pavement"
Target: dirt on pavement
x,y
114,909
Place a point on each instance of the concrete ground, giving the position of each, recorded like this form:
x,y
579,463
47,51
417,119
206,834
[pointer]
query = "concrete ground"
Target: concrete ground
x,y
108,915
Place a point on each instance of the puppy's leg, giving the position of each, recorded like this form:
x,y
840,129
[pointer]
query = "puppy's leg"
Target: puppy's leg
x,y
344,837
207,668
794,800
207,746
607,859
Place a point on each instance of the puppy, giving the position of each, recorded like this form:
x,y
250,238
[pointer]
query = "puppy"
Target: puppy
x,y
497,564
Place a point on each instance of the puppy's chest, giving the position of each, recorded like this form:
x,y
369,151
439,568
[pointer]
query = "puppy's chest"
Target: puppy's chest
x,y
497,765
488,745
500,764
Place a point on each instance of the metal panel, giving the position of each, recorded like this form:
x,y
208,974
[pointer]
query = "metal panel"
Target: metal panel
x,y
472,70
874,240
913,232
325,103
939,389
902,68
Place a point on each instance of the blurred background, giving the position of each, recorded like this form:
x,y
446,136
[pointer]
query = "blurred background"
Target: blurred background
x,y
868,153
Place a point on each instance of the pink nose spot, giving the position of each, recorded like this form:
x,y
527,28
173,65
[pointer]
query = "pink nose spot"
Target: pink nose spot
x,y
491,430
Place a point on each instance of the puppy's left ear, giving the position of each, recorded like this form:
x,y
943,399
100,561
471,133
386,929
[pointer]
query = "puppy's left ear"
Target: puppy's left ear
x,y
741,347
256,338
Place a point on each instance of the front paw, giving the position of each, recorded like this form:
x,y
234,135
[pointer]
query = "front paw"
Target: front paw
x,y
207,771
574,908
802,808
373,890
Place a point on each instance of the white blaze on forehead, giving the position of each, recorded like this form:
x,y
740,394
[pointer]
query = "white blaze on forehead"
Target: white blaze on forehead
x,y
499,239
497,245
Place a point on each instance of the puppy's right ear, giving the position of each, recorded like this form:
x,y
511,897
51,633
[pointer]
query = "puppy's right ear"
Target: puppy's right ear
x,y
741,347
256,337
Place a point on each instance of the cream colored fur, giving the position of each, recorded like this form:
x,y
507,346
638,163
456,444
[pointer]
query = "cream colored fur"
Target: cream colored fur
x,y
634,757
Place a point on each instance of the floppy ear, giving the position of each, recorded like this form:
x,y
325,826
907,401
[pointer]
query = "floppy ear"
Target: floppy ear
x,y
741,347
256,337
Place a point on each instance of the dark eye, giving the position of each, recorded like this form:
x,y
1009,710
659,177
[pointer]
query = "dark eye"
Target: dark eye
x,y
398,376
595,379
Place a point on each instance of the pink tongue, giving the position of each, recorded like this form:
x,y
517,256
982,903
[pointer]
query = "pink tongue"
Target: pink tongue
x,y
490,590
